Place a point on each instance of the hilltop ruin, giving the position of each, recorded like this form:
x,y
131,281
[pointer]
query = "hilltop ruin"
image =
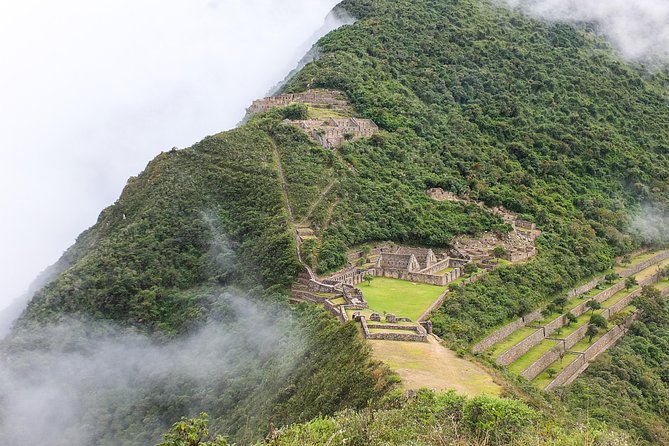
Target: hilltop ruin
x,y
331,120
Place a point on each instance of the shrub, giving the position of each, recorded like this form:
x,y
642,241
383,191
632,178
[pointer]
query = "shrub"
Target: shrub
x,y
498,420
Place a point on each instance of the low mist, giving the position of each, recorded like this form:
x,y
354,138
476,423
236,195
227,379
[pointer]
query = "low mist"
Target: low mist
x,y
639,29
91,91
651,223
78,384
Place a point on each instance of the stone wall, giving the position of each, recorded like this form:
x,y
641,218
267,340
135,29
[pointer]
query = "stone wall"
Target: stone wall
x,y
621,304
420,334
542,363
574,369
419,277
519,256
600,297
414,328
521,348
663,255
440,265
584,288
506,331
407,337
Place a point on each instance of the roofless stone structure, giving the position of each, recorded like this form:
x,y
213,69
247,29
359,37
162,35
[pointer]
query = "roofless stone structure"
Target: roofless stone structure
x,y
331,132
334,124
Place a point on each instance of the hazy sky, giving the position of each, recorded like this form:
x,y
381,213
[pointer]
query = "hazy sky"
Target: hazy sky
x,y
90,91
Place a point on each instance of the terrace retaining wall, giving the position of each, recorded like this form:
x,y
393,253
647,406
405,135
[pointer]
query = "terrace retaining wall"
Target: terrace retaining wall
x,y
506,331
521,348
577,367
663,255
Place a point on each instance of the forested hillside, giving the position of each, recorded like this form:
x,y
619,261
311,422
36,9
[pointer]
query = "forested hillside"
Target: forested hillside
x,y
542,119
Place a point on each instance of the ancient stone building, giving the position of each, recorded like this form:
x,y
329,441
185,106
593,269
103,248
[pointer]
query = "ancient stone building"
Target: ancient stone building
x,y
331,132
401,262
425,257
330,98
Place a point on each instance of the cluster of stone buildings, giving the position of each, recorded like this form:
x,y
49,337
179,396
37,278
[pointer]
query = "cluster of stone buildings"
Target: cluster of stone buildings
x,y
331,132
420,265
518,244
327,98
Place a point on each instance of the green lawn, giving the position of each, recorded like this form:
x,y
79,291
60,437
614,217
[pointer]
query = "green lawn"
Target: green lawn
x,y
662,285
532,355
635,261
404,299
543,379
316,112
512,340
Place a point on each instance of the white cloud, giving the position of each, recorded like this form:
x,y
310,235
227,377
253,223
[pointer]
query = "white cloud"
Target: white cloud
x,y
91,91
638,28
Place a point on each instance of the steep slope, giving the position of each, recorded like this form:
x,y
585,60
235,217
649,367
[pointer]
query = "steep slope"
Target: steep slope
x,y
470,97
193,234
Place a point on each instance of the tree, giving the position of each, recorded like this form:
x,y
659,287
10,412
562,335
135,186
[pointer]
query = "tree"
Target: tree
x,y
610,278
499,252
571,318
470,268
560,302
618,318
631,282
368,279
551,372
598,321
664,273
192,432
593,305
591,332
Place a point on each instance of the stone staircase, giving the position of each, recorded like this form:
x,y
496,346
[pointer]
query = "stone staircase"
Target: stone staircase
x,y
301,292
305,232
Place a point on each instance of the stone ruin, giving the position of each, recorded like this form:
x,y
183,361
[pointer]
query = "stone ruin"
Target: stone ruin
x,y
375,317
418,265
391,318
330,99
519,243
329,131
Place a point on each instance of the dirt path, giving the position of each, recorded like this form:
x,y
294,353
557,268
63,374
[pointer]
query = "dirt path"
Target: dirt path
x,y
435,367
318,201
286,199
282,180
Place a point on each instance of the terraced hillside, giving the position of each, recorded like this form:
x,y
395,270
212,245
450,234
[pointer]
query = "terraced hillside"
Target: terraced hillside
x,y
552,347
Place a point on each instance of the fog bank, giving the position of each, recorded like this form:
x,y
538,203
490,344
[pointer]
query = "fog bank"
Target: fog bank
x,y
651,223
639,29
91,91
78,384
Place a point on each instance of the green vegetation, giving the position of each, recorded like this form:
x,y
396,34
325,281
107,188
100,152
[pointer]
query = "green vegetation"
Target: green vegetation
x,y
512,340
629,385
402,298
532,355
534,133
442,418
